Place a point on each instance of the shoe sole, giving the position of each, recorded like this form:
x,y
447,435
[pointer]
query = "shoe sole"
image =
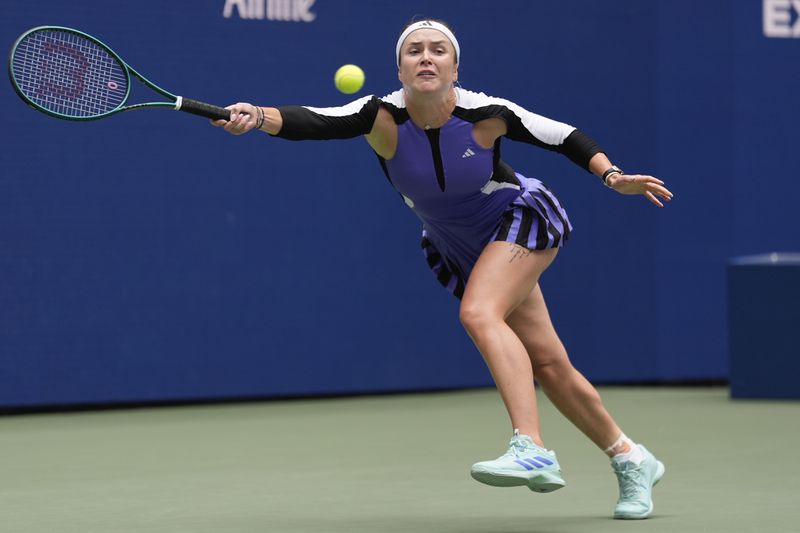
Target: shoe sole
x,y
541,482
659,474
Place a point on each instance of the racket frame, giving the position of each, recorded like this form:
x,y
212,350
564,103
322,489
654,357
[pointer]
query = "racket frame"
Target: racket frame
x,y
176,103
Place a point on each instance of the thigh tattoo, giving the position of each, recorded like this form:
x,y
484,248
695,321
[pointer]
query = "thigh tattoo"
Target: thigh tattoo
x,y
518,252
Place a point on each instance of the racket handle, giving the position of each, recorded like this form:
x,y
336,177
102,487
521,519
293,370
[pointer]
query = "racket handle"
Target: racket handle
x,y
203,109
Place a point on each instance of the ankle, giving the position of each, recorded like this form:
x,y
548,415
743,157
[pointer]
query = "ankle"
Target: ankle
x,y
625,450
533,435
623,445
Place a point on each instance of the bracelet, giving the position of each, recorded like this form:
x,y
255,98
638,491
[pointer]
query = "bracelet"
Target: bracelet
x,y
260,121
613,170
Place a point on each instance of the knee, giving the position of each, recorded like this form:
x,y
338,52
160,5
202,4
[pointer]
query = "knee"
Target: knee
x,y
552,371
476,318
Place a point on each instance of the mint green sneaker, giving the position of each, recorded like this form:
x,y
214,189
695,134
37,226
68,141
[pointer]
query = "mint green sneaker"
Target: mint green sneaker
x,y
636,486
524,463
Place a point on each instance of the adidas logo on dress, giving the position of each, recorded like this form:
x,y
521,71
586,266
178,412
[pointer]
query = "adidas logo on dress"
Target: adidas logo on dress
x,y
468,153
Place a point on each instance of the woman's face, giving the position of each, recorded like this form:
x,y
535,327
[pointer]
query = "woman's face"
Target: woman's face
x,y
427,61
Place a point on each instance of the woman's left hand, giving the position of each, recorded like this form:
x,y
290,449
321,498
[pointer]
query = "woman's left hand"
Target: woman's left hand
x,y
652,188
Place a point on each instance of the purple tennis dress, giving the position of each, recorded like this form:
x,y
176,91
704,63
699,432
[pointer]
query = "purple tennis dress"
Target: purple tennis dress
x,y
461,207
465,195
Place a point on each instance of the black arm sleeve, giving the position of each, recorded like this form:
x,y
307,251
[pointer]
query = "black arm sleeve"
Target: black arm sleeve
x,y
580,148
323,123
546,133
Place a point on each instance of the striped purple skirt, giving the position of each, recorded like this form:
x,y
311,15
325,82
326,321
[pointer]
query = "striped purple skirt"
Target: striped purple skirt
x,y
535,220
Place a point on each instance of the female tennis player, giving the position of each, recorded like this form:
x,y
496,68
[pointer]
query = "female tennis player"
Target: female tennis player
x,y
488,234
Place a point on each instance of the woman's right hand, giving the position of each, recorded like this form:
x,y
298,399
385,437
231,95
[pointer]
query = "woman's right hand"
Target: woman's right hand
x,y
244,118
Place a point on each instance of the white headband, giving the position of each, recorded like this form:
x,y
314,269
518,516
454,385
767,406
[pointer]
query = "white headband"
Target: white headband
x,y
433,26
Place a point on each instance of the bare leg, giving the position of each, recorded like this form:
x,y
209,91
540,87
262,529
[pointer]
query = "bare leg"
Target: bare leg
x,y
638,470
502,278
569,391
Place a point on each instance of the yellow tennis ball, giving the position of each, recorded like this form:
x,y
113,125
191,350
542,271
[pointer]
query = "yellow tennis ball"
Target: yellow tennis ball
x,y
349,79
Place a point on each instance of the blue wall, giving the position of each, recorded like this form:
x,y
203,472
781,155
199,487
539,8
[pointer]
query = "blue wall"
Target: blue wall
x,y
151,257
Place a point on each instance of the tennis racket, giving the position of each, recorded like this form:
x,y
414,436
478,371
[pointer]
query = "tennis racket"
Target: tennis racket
x,y
68,74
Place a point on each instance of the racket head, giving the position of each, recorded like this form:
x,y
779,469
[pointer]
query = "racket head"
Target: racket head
x,y
68,74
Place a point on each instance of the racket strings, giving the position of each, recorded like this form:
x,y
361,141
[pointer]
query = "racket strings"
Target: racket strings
x,y
68,74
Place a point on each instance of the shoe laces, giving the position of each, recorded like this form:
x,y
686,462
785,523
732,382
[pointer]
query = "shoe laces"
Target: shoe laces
x,y
629,477
516,447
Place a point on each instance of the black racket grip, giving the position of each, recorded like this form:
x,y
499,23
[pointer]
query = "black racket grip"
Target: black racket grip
x,y
204,110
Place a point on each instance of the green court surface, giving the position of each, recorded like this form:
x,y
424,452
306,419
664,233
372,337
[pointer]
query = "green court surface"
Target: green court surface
x,y
389,464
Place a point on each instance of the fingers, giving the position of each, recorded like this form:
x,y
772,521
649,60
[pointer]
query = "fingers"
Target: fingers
x,y
659,190
656,187
639,180
237,110
650,187
650,196
664,193
628,182
243,119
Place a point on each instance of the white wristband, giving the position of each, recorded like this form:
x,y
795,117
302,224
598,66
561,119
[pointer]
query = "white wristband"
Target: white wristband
x,y
605,181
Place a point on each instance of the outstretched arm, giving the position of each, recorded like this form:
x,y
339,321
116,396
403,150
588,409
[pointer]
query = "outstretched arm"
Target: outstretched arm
x,y
582,150
303,122
519,124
